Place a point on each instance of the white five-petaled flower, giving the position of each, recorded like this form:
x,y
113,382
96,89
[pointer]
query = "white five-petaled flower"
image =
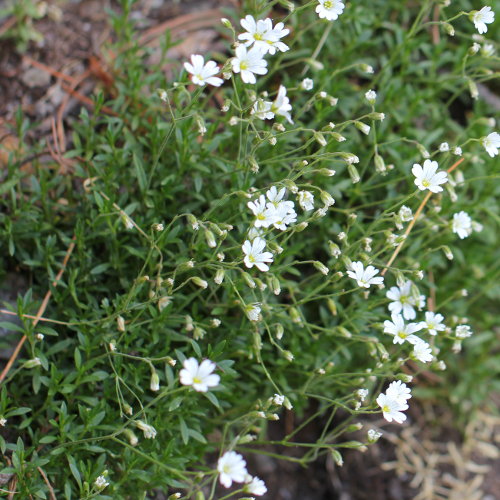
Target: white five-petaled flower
x,y
402,332
443,147
462,224
491,143
329,9
253,311
481,18
262,34
433,323
307,84
200,376
364,277
254,486
306,200
371,96
428,177
262,109
264,216
203,73
231,467
281,105
422,351
254,254
399,391
284,216
391,408
402,300
249,63
463,331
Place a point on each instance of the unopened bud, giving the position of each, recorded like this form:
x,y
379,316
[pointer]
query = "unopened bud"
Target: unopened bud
x,y
120,324
209,236
363,127
332,306
353,173
248,280
321,267
320,138
219,276
200,282
155,382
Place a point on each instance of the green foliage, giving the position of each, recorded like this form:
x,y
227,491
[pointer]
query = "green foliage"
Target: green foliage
x,y
157,210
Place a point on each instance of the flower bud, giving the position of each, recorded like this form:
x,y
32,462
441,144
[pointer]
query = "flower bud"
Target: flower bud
x,y
327,199
209,236
248,280
199,282
363,127
120,324
155,381
332,306
321,267
219,276
279,331
450,30
320,138
32,363
353,173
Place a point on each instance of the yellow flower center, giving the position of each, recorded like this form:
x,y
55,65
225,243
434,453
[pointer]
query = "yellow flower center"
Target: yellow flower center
x,y
402,334
257,36
243,65
328,5
403,299
197,380
426,183
251,258
386,409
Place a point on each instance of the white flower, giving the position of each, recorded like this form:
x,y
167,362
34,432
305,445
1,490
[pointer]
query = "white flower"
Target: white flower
x,y
371,96
422,351
364,277
264,216
491,143
362,393
443,147
392,409
100,483
255,486
405,213
433,323
463,331
231,467
488,50
329,9
249,63
284,216
278,399
481,18
200,376
457,151
306,200
462,224
203,73
253,311
428,177
262,34
399,391
373,435
3,421
400,331
148,430
402,300
281,105
262,109
306,84
254,255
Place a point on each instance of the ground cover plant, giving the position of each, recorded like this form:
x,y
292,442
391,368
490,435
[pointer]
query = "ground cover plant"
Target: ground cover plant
x,y
302,222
